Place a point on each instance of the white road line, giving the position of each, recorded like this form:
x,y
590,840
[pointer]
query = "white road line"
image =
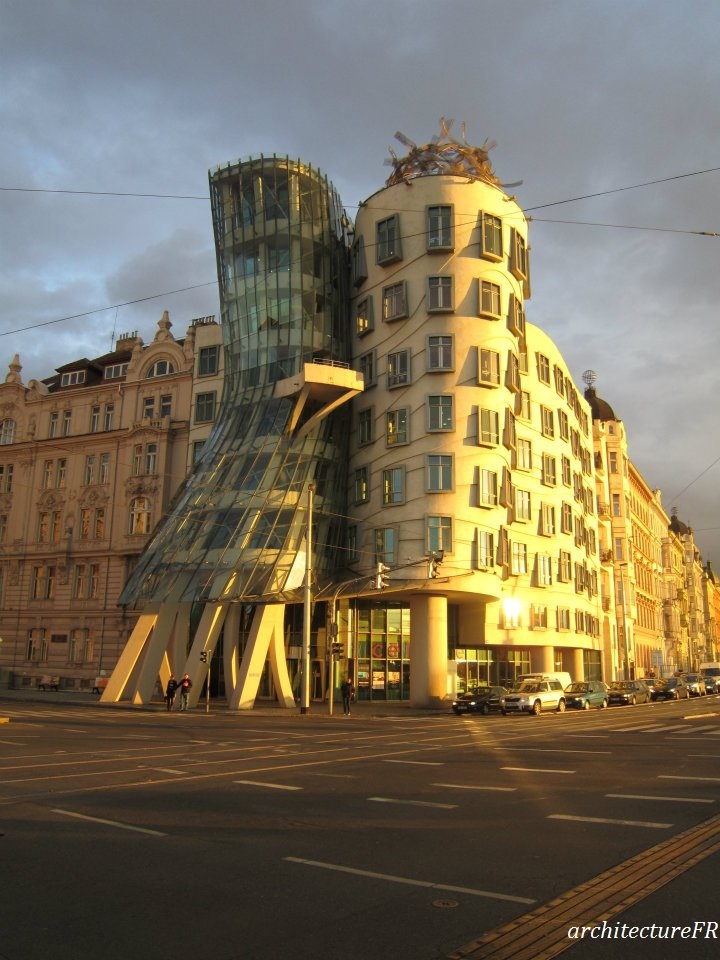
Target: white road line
x,y
535,770
671,776
409,881
551,750
419,763
463,786
271,786
414,803
712,726
640,796
622,823
109,823
167,770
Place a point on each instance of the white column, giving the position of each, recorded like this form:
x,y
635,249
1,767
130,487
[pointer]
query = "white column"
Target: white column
x,y
428,651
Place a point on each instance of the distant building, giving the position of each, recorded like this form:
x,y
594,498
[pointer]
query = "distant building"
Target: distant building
x,y
90,459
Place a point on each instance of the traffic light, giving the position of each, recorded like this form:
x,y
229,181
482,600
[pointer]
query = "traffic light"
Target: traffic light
x,y
435,558
338,649
203,656
380,579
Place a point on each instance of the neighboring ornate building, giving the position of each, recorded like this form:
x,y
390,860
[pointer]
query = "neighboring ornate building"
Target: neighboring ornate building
x,y
90,459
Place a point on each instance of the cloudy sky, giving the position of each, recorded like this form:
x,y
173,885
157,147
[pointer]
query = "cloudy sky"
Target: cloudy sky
x,y
582,96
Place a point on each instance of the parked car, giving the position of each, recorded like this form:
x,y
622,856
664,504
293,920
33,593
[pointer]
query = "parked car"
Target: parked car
x,y
534,696
696,684
480,700
712,683
628,691
674,688
584,694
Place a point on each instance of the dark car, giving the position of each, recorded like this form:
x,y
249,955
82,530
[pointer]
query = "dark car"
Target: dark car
x,y
480,700
584,694
696,684
673,689
712,683
628,691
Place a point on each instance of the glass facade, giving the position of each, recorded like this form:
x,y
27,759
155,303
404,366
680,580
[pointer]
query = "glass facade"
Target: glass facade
x,y
237,531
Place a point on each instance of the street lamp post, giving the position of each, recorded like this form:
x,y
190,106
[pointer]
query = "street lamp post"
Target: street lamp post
x,y
307,607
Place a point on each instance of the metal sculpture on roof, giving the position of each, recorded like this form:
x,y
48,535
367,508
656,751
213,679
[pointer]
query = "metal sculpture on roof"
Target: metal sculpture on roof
x,y
443,155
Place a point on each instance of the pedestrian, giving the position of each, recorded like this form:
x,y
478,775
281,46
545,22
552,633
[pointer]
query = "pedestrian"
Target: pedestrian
x,y
347,688
170,691
185,685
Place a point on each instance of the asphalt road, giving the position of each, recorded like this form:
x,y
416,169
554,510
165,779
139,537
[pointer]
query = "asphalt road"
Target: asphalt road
x,y
392,836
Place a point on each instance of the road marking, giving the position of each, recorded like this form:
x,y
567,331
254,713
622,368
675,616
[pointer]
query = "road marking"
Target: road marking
x,y
711,726
671,776
418,763
271,786
110,823
535,770
622,823
408,880
463,786
640,796
414,803
167,770
551,750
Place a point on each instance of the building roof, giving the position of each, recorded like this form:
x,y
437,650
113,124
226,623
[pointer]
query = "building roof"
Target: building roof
x,y
601,409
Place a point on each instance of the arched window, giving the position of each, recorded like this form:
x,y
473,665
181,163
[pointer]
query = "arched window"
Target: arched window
x,y
161,368
7,431
140,515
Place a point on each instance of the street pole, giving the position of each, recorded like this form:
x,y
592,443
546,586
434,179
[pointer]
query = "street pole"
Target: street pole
x,y
207,691
307,600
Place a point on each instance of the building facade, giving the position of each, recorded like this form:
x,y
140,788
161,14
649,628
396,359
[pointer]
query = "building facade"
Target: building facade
x,y
90,460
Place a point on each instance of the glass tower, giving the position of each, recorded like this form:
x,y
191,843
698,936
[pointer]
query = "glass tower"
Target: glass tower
x,y
238,527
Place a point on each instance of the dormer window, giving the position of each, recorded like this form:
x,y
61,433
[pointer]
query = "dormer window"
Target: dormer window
x,y
161,368
73,378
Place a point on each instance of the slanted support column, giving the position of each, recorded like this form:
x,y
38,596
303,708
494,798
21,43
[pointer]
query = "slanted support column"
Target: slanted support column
x,y
129,658
204,642
266,636
428,651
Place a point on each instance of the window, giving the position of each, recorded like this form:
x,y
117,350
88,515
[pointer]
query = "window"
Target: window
x,y
393,486
488,368
566,518
94,419
440,353
396,430
72,379
387,234
37,646
144,459
43,582
486,549
151,458
563,425
566,471
364,320
544,570
148,410
547,520
616,505
365,426
563,618
510,433
518,260
60,473
80,647
366,364
6,477
89,472
516,316
489,423
361,487
386,545
518,557
547,422
99,523
491,245
613,461
564,566
53,429
104,468
538,617
439,473
559,381
524,455
205,407
359,262
522,504
66,422
161,368
512,377
439,294
439,228
197,450
440,413
438,534
398,368
549,470
543,368
109,416
489,300
115,371
488,488
47,476
208,361
394,301
139,516
522,403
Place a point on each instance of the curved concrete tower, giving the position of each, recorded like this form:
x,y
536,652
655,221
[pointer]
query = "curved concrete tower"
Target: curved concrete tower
x,y
238,530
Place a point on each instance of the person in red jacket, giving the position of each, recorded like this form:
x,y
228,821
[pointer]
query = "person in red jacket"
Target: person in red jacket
x,y
185,685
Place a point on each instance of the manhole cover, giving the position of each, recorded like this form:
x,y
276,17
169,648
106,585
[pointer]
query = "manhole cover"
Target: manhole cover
x,y
445,904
